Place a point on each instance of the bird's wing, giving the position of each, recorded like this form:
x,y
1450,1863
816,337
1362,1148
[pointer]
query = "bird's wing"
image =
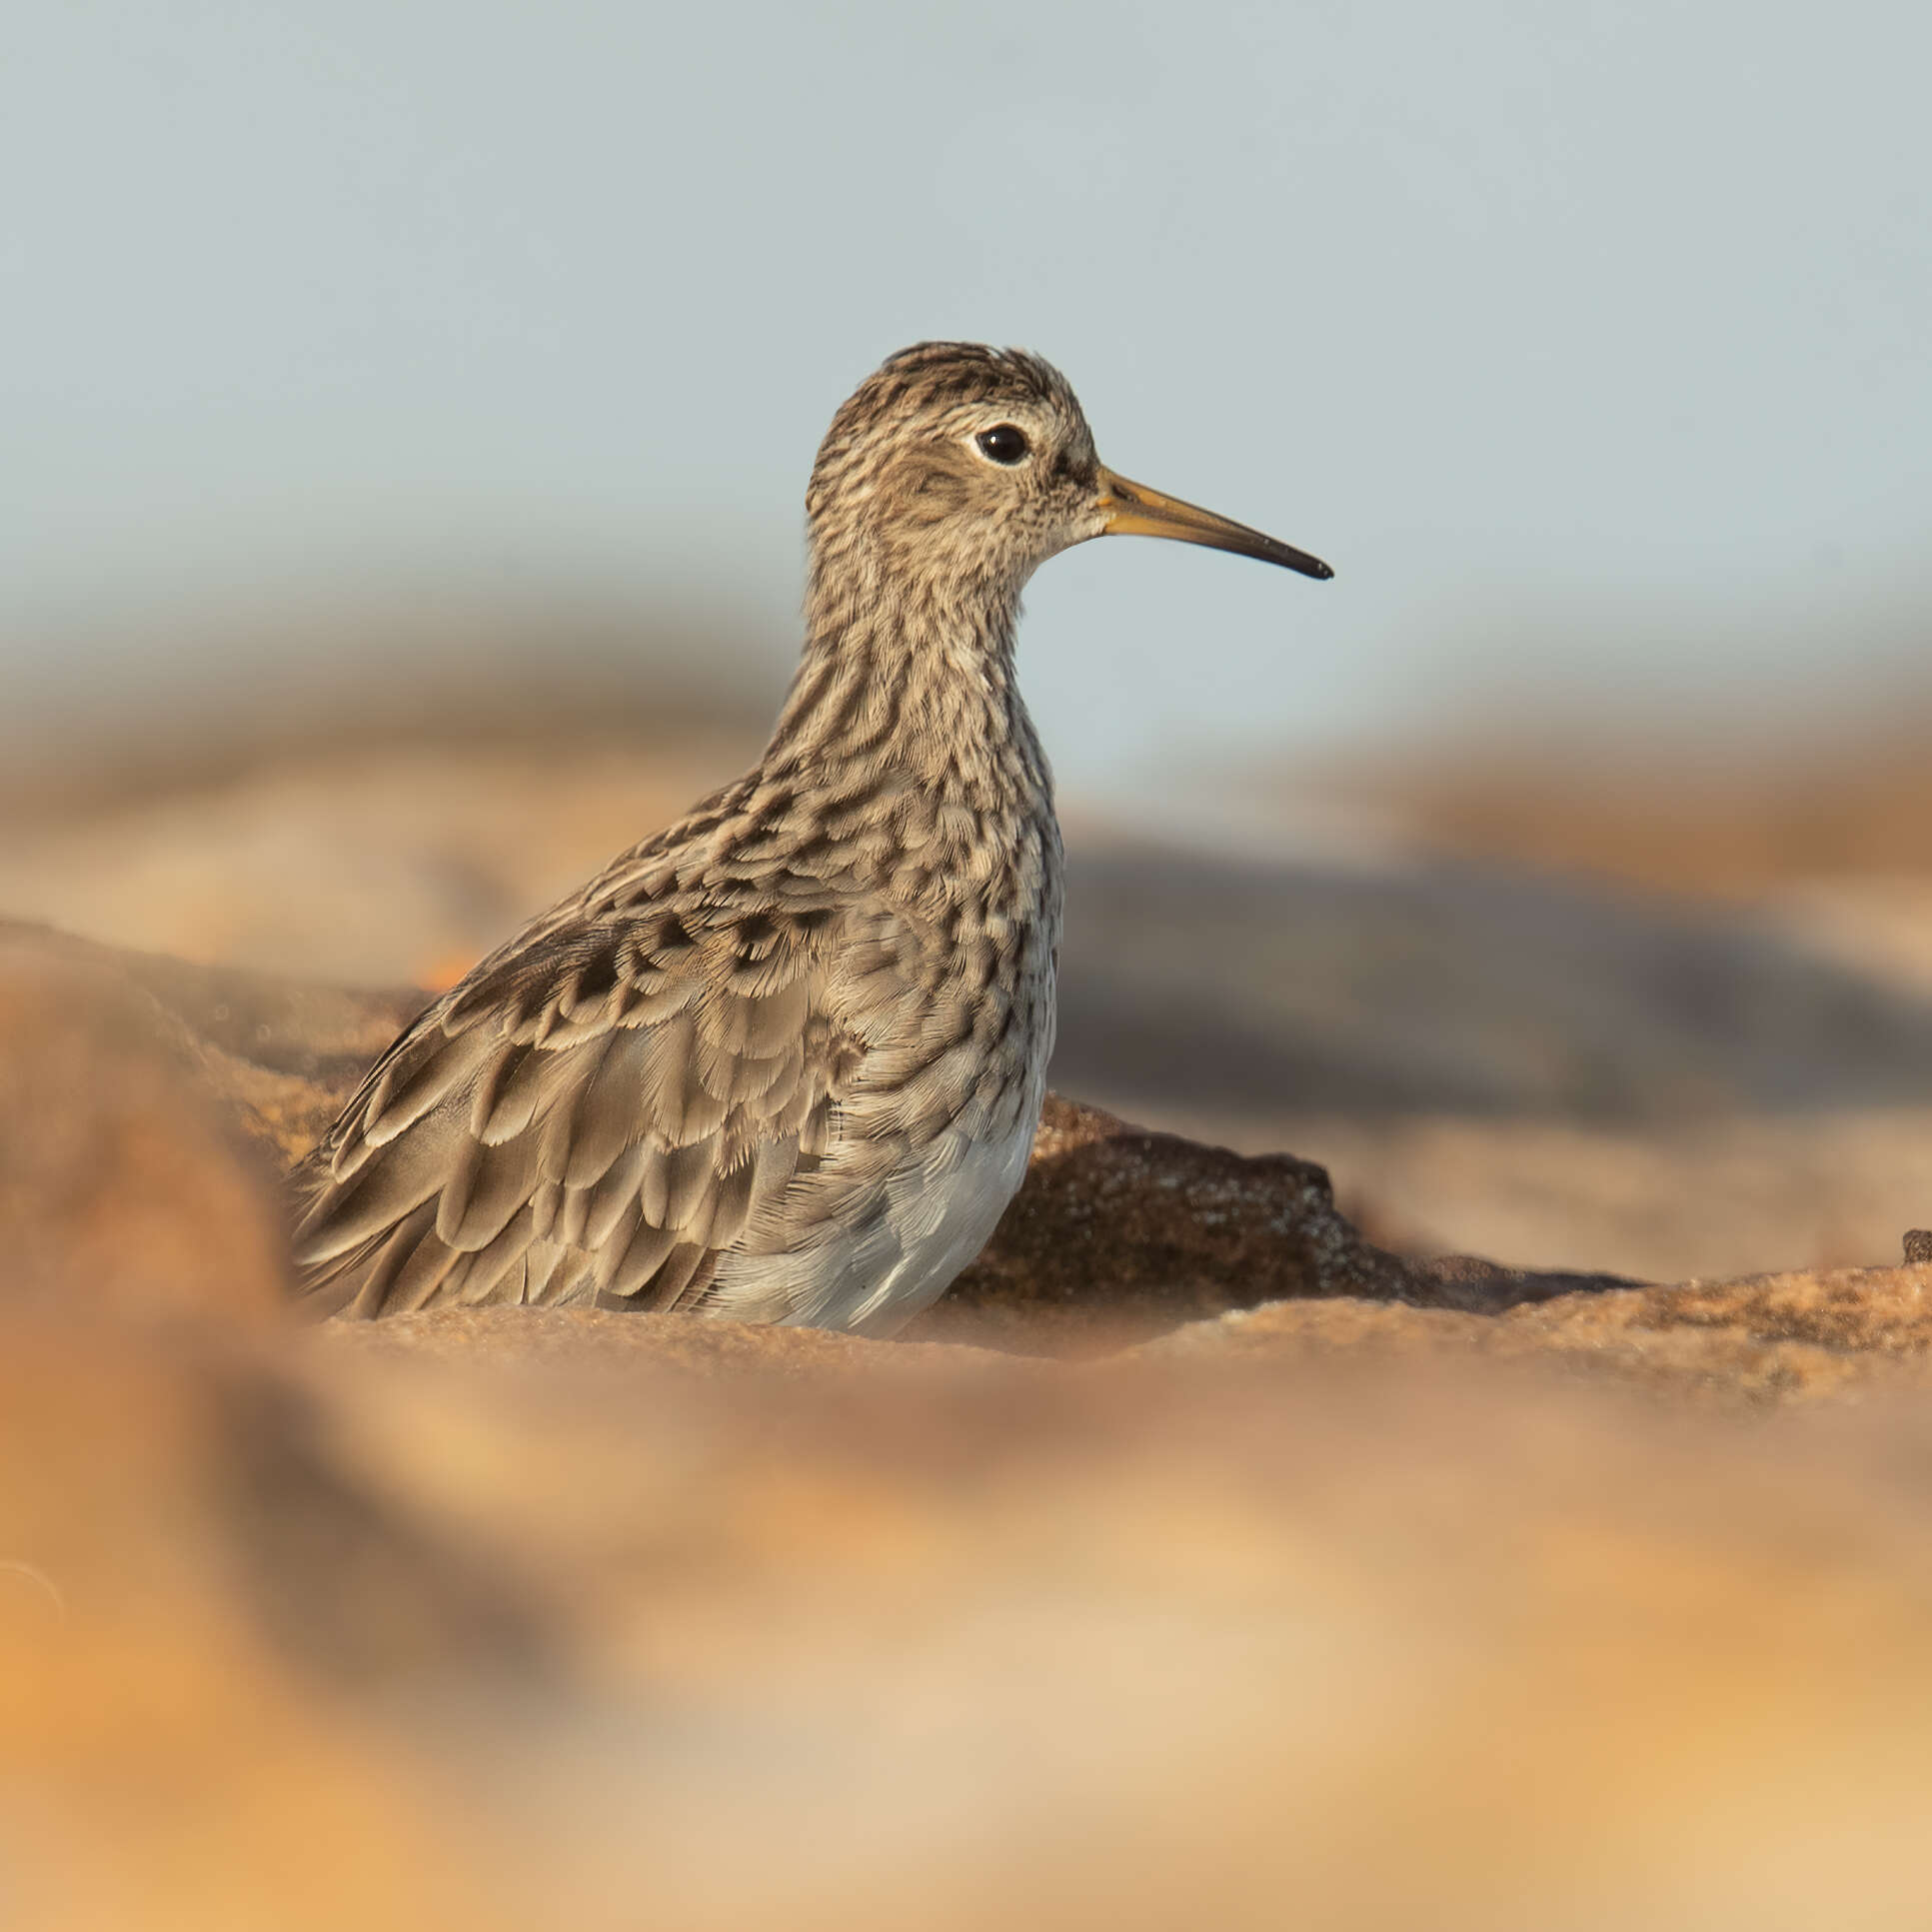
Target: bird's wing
x,y
604,1107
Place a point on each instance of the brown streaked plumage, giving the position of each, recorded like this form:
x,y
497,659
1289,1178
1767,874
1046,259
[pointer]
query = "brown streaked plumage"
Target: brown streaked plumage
x,y
783,1061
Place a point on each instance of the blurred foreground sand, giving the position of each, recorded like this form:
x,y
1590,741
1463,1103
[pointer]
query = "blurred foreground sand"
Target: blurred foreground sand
x,y
387,1629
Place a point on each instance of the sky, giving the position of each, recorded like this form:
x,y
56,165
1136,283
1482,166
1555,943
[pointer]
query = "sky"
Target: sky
x,y
1587,342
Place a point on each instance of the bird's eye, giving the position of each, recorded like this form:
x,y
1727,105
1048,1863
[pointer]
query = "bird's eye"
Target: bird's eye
x,y
1003,443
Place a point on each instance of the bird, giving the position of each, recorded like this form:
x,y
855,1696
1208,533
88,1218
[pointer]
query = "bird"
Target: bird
x,y
782,1061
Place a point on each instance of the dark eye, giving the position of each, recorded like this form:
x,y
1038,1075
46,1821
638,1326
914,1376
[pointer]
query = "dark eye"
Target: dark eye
x,y
1005,443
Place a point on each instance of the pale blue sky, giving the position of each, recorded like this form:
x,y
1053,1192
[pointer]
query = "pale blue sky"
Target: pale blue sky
x,y
1588,340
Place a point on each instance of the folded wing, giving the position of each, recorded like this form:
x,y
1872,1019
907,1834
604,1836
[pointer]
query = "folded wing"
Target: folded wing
x,y
604,1109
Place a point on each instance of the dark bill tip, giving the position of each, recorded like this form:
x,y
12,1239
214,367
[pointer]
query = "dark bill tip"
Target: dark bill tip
x,y
1300,560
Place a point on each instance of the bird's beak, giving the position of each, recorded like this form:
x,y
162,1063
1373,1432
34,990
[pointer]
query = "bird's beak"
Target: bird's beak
x,y
1132,510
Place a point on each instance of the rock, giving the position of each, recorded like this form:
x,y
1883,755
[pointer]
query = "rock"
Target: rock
x,y
1785,1338
122,1193
1119,1233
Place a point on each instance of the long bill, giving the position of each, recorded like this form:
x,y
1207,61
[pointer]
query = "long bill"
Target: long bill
x,y
1132,510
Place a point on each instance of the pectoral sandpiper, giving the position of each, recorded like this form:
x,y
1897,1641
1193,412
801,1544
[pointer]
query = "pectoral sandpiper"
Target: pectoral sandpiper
x,y
782,1061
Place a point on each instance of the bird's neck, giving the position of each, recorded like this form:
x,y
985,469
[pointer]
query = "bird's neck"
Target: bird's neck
x,y
913,680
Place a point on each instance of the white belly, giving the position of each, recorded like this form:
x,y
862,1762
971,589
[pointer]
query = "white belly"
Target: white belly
x,y
938,1214
942,1229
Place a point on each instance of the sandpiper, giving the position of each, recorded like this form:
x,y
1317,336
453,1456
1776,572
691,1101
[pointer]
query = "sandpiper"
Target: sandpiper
x,y
782,1061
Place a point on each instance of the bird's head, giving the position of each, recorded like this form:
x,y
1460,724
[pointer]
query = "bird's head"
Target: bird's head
x,y
956,465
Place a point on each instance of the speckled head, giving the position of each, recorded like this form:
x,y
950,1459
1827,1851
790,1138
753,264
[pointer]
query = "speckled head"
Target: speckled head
x,y
956,465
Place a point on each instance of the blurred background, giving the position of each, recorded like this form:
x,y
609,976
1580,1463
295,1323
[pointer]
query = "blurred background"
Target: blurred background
x,y
409,408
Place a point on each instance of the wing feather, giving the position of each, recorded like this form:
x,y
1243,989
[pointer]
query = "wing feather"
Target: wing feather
x,y
634,1261
503,1182
610,1105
